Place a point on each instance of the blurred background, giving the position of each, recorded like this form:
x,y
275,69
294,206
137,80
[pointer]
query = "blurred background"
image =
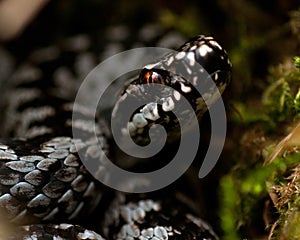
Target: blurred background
x,y
257,35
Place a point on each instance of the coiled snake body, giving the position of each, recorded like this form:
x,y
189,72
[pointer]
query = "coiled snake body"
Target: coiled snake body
x,y
42,179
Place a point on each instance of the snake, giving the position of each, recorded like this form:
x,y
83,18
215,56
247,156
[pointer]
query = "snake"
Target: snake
x,y
46,192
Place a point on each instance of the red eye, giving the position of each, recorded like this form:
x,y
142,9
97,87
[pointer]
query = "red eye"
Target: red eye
x,y
147,77
152,77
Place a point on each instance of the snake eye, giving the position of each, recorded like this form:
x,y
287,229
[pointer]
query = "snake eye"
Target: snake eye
x,y
151,77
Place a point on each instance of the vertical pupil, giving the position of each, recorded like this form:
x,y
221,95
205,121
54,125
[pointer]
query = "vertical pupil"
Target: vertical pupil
x,y
148,77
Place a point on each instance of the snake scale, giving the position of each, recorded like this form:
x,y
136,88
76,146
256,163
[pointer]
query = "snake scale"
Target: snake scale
x,y
45,190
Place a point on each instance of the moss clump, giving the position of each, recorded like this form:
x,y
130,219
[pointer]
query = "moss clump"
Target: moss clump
x,y
243,190
252,183
285,192
250,115
297,62
282,97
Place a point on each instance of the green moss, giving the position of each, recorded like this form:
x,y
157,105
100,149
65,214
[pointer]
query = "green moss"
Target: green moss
x,y
247,191
243,189
282,97
246,115
297,61
229,213
288,199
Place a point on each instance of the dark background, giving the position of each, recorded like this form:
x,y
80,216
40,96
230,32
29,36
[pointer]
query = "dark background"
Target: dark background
x,y
256,34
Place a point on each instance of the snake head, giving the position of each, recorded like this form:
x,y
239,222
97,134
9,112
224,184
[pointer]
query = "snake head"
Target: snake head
x,y
209,54
199,71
